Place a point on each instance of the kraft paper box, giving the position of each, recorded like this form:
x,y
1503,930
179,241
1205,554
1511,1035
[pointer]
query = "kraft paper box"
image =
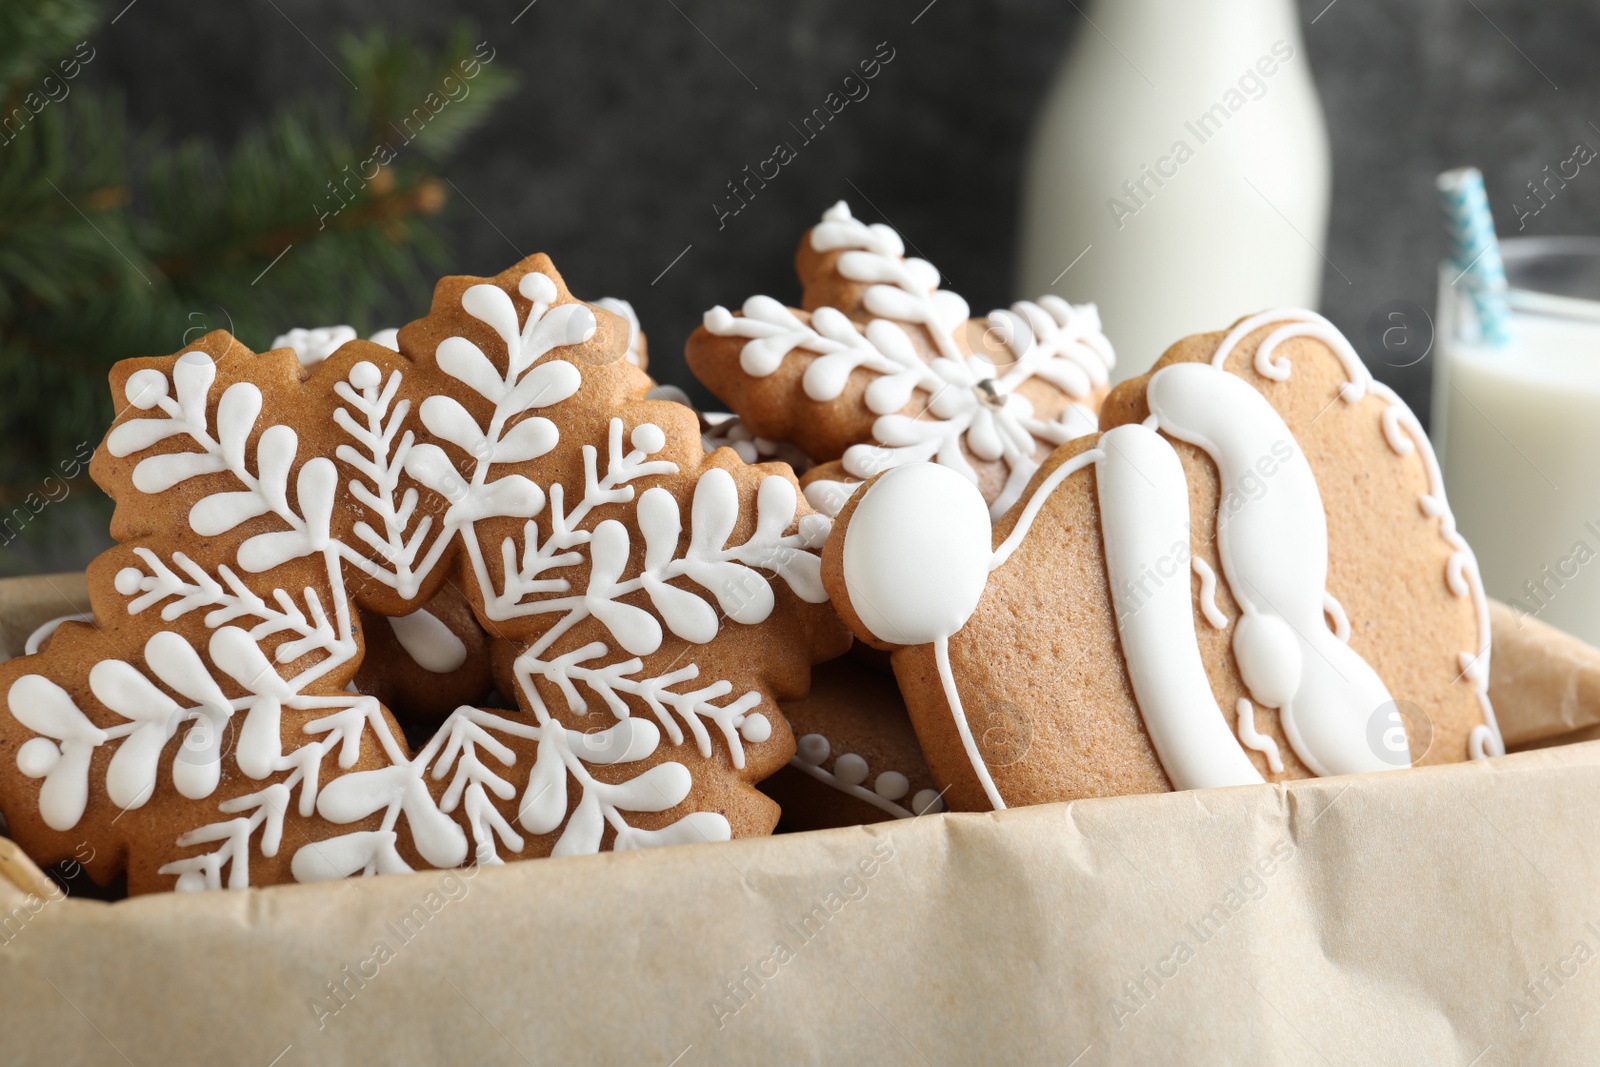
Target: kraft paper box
x,y
1447,915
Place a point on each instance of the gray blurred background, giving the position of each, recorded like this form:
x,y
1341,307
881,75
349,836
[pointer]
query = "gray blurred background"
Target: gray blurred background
x,y
631,118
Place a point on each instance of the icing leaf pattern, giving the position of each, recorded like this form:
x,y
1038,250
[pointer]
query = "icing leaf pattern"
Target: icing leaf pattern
x,y
436,459
972,408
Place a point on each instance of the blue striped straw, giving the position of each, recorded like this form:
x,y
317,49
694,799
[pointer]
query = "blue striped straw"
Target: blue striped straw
x,y
1475,251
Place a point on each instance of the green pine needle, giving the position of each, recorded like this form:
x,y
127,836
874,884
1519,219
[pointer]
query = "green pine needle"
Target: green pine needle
x,y
116,243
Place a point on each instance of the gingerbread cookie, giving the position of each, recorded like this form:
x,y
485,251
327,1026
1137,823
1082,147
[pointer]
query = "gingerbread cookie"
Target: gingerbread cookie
x,y
638,346
1252,576
880,367
424,665
39,639
317,343
856,759
718,429
201,731
421,666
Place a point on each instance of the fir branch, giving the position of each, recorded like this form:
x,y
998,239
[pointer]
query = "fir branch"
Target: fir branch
x,y
35,34
114,244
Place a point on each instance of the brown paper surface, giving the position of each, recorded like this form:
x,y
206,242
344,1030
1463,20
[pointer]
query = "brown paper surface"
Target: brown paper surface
x,y
1543,682
1441,915
27,602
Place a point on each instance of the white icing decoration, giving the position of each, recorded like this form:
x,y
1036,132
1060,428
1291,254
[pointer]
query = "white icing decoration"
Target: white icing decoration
x,y
433,645
43,633
1214,615
850,769
1404,435
1144,513
1079,420
1291,640
316,344
1030,511
850,772
829,496
313,346
1335,613
37,757
971,404
45,708
131,776
841,230
265,492
649,438
922,520
756,728
664,391
916,555
775,331
941,655
145,388
891,785
1274,554
1070,346
1260,742
618,306
402,555
722,430
729,574
812,749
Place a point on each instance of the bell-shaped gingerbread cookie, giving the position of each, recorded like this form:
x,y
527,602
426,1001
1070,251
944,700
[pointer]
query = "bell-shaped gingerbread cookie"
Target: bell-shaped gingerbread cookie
x,y
1252,575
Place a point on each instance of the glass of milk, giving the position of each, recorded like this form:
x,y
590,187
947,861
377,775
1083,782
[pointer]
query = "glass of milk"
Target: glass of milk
x,y
1517,430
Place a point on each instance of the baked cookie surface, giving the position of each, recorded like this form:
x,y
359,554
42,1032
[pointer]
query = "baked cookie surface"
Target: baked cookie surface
x,y
1251,575
424,665
856,755
880,367
201,730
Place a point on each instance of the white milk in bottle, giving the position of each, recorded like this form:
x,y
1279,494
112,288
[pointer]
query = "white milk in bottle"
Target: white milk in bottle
x,y
1181,153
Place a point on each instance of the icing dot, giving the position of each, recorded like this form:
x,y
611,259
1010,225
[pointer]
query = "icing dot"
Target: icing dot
x,y
850,769
38,757
891,785
127,580
813,748
1269,658
926,802
537,287
917,554
649,438
196,358
755,728
364,375
814,529
146,389
190,882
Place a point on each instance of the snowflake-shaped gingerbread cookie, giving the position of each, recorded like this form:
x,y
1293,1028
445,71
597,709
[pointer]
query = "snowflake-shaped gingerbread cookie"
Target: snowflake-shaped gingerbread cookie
x,y
201,731
881,367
